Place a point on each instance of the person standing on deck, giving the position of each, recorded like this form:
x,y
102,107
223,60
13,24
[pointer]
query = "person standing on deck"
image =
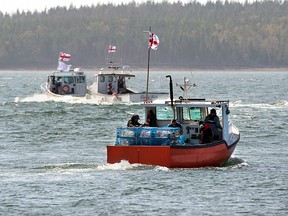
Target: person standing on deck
x,y
109,89
213,120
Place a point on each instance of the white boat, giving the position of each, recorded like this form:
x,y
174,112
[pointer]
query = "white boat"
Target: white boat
x,y
69,83
110,86
64,81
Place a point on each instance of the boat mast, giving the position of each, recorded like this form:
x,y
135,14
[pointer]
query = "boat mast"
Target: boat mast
x,y
148,68
171,89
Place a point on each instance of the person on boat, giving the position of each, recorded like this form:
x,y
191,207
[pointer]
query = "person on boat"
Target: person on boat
x,y
121,85
174,123
206,133
133,122
109,89
213,120
151,120
53,87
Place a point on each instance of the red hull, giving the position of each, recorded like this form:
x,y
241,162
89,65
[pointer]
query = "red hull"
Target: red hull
x,y
172,156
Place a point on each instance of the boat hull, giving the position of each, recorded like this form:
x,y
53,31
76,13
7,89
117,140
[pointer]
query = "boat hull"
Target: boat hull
x,y
46,91
127,98
178,156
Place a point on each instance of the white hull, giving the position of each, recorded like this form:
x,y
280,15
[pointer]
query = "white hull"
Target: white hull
x,y
127,98
44,88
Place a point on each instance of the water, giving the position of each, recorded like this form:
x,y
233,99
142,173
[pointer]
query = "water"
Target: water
x,y
53,152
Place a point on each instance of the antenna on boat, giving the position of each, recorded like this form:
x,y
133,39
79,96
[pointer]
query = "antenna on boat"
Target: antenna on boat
x,y
186,87
171,89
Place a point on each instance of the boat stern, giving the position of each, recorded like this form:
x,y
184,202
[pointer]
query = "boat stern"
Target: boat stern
x,y
149,155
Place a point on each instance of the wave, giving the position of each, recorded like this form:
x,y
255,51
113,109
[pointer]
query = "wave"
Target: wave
x,y
67,166
123,165
232,163
278,104
66,99
281,103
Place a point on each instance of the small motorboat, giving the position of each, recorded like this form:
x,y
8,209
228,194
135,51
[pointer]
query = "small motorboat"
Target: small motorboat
x,y
64,81
176,147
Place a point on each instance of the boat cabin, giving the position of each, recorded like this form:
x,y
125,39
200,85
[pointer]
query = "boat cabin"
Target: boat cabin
x,y
68,83
108,82
189,113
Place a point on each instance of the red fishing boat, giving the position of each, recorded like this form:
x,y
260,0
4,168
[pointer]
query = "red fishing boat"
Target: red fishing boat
x,y
173,147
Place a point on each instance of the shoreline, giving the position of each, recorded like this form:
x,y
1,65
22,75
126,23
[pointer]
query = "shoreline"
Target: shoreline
x,y
163,69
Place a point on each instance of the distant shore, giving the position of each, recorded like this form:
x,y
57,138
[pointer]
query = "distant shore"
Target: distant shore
x,y
159,69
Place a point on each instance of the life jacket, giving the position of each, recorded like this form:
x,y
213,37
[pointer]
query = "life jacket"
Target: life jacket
x,y
206,127
207,133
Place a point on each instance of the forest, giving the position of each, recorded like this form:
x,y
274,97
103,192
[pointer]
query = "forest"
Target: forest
x,y
192,35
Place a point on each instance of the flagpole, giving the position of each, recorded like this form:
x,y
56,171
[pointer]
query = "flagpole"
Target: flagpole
x,y
148,69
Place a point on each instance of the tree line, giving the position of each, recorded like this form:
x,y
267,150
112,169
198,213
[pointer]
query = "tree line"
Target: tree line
x,y
192,35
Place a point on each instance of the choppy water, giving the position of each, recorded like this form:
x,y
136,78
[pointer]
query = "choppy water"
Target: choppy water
x,y
53,153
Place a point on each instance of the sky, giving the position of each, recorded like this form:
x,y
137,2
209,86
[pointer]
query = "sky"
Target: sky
x,y
11,6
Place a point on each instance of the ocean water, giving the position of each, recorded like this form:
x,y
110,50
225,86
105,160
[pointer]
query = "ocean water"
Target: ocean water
x,y
53,151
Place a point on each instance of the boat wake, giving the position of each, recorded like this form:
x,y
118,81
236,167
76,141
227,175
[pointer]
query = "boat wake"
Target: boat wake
x,y
234,163
67,99
123,165
276,105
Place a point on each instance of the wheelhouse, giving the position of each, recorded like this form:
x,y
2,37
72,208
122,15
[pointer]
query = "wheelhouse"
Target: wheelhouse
x,y
116,80
189,113
68,83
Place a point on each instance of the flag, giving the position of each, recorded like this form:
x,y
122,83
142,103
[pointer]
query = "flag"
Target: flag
x,y
64,56
112,49
153,41
63,67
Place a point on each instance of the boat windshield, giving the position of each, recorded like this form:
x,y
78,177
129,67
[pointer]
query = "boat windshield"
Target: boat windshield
x,y
164,113
68,80
81,79
192,113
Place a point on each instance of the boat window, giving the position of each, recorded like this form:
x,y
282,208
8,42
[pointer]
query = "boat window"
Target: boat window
x,y
80,79
68,80
195,114
110,78
164,113
192,113
102,78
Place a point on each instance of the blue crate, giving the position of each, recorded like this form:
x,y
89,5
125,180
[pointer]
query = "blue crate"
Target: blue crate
x,y
147,136
125,141
144,136
126,132
166,136
144,141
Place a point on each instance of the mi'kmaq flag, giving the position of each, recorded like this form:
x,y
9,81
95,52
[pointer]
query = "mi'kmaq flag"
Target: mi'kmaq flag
x,y
112,49
64,56
153,41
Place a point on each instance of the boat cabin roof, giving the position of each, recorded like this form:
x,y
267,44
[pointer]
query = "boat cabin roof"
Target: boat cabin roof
x,y
67,73
116,74
189,103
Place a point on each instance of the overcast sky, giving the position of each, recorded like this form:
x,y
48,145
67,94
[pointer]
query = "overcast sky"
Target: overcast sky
x,y
10,6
